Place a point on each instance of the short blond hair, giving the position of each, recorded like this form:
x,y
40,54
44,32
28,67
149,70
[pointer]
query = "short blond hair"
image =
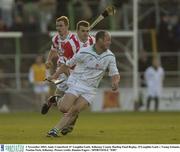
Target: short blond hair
x,y
64,19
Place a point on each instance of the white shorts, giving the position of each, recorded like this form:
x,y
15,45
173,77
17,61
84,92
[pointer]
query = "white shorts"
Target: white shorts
x,y
80,90
41,88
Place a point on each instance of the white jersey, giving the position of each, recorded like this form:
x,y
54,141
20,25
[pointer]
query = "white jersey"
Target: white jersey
x,y
91,67
154,80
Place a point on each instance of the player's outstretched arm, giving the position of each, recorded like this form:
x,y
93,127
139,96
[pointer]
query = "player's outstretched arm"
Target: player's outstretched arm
x,y
61,69
115,79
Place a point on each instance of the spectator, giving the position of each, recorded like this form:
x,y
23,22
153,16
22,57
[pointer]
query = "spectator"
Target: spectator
x,y
37,74
19,8
32,26
6,8
154,76
47,11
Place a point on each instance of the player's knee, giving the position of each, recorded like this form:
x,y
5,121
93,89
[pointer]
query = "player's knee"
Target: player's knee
x,y
63,108
71,113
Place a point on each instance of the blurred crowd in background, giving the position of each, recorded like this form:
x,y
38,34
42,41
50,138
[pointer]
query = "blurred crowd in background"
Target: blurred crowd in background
x,y
38,16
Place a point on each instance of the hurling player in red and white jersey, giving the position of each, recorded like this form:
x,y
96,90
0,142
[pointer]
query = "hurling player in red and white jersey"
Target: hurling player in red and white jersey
x,y
82,39
57,49
59,39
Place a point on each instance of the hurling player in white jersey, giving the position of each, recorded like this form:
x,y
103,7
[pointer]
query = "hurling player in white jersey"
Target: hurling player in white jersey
x,y
91,65
82,39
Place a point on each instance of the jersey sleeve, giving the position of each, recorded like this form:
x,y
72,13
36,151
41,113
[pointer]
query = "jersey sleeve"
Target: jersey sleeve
x,y
112,66
78,57
54,46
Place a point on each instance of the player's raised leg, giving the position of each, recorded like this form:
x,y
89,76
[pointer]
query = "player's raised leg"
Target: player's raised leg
x,y
77,106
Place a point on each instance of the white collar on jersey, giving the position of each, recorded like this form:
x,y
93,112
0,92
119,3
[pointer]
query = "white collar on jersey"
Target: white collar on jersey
x,y
67,36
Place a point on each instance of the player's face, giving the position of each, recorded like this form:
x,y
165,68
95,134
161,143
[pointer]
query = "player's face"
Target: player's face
x,y
106,42
83,33
61,28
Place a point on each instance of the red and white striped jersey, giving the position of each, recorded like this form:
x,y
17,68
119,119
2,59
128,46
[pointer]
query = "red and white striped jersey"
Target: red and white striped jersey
x,y
74,44
58,44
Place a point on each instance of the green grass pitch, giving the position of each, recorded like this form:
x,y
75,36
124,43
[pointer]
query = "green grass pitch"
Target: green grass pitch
x,y
93,128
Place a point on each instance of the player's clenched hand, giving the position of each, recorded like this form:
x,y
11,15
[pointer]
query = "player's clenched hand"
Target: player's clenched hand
x,y
65,69
115,82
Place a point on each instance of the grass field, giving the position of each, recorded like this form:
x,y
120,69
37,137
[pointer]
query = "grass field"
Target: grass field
x,y
93,128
